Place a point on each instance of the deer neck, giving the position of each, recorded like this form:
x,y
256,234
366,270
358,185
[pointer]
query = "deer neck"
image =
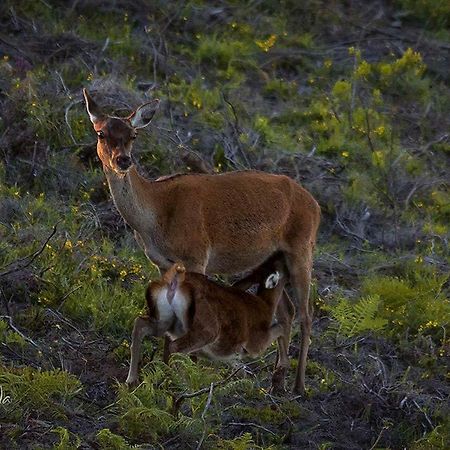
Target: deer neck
x,y
134,205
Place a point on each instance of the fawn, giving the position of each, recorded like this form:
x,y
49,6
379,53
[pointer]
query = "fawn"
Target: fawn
x,y
200,315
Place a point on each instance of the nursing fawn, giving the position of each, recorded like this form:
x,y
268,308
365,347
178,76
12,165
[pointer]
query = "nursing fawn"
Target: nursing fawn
x,y
201,316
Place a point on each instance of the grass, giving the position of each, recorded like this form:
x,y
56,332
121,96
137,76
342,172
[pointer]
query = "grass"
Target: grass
x,y
360,119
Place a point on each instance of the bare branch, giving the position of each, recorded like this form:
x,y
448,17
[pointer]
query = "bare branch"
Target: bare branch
x,y
182,397
30,257
14,328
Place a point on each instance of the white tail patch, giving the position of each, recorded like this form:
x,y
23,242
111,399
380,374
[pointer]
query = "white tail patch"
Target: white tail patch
x,y
272,280
176,307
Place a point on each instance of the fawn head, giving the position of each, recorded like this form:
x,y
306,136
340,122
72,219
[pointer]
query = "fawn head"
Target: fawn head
x,y
115,135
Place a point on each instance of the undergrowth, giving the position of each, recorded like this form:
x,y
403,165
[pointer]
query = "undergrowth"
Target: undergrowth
x,y
354,106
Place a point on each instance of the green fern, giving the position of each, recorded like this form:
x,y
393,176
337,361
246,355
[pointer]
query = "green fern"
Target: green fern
x,y
110,441
353,319
243,442
66,443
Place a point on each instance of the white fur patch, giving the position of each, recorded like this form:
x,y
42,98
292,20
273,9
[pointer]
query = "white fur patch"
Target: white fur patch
x,y
165,310
178,307
272,280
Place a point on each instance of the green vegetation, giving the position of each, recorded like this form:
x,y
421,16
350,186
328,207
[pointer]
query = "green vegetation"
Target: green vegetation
x,y
352,104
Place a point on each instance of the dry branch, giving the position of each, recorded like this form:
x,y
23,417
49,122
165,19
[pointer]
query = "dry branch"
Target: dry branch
x,y
29,258
14,328
182,397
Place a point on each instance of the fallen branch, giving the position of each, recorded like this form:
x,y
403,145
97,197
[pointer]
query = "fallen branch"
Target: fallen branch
x,y
207,405
182,397
14,328
61,318
250,424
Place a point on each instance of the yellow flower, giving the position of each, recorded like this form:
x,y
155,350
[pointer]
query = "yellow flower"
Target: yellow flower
x,y
268,43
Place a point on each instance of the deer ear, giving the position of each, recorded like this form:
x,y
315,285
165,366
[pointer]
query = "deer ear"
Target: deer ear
x,y
144,114
272,280
94,111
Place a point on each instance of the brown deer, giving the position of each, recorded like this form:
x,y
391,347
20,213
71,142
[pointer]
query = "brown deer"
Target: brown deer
x,y
227,223
200,315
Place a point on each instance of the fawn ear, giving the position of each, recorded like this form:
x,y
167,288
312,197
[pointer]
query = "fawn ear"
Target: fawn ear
x,y
94,111
144,114
272,280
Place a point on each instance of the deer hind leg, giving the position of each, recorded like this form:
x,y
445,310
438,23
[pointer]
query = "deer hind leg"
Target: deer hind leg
x,y
285,315
141,329
300,267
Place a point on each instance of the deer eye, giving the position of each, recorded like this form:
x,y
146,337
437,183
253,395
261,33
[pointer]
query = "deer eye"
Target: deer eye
x,y
134,136
100,134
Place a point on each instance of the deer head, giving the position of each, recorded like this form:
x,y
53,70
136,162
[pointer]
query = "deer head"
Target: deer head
x,y
116,134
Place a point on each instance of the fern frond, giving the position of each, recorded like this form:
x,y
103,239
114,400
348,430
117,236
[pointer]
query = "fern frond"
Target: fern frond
x,y
355,319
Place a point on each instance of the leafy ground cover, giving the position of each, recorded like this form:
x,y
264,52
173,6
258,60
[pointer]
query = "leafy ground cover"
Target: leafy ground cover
x,y
349,98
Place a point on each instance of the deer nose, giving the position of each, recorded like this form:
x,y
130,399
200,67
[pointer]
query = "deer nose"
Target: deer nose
x,y
124,162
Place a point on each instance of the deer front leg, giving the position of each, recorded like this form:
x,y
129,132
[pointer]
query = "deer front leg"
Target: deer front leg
x,y
300,269
141,329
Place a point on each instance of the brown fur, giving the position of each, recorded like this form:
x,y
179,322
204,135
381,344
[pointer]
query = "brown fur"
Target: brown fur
x,y
218,321
227,223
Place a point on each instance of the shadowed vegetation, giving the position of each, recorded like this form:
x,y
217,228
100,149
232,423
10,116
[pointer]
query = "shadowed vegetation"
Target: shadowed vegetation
x,y
349,98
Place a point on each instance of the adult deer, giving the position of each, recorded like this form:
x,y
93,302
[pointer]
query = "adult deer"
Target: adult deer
x,y
228,223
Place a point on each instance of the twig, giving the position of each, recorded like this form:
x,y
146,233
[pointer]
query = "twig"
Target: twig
x,y
182,397
30,257
66,118
65,296
5,301
14,328
250,424
60,317
424,413
378,438
207,405
236,128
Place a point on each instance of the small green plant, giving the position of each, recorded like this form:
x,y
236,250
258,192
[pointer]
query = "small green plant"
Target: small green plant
x,y
243,442
110,441
68,441
434,13
37,393
353,318
416,303
223,53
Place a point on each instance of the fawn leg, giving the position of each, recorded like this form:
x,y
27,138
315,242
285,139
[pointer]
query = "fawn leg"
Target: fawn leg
x,y
194,340
141,329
